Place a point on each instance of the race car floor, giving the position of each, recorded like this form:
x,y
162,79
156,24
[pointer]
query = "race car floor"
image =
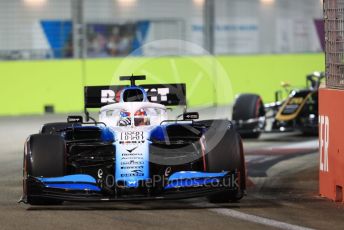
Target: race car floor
x,y
283,174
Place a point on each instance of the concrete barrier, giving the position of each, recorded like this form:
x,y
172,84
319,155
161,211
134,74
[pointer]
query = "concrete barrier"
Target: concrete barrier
x,y
331,144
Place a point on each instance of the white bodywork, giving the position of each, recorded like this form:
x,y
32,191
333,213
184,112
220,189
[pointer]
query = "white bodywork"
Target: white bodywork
x,y
131,140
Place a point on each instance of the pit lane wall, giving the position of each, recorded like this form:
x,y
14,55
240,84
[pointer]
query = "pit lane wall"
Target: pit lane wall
x,y
27,86
331,126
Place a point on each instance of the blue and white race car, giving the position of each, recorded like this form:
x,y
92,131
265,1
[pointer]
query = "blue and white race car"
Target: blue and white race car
x,y
133,152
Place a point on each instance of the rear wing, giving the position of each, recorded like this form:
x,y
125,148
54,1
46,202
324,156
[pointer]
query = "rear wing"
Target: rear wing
x,y
166,94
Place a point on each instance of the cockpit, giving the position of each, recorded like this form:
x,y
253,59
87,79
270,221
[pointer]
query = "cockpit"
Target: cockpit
x,y
133,109
133,94
140,118
133,114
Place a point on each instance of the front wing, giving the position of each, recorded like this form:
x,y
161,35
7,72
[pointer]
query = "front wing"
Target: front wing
x,y
180,185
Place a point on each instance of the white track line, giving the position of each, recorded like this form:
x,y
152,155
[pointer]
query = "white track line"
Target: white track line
x,y
251,218
257,219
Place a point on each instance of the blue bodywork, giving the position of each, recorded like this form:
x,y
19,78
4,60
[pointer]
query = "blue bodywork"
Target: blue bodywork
x,y
159,133
176,180
71,182
76,178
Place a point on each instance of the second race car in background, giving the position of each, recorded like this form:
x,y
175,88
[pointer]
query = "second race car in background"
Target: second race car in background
x,y
299,111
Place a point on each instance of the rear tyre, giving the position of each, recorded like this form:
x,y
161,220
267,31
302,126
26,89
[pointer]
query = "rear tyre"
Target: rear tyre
x,y
248,106
44,156
226,155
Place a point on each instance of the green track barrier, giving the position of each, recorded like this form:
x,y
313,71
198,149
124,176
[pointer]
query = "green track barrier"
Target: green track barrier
x,y
27,86
263,74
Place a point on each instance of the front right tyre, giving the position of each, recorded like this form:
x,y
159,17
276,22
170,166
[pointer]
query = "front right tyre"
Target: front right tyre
x,y
226,155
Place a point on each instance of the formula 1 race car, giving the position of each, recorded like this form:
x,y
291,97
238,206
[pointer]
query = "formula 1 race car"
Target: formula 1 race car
x,y
133,152
299,111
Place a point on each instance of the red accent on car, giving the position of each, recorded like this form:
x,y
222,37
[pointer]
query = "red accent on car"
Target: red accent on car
x,y
118,96
140,112
203,154
258,106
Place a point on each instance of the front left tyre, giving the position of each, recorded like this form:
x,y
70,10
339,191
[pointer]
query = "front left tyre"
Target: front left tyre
x,y
44,156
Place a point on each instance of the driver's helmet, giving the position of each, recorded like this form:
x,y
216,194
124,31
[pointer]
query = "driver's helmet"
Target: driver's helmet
x,y
124,118
141,118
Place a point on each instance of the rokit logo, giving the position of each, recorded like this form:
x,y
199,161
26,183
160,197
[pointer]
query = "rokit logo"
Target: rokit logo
x,y
158,95
324,133
166,94
108,96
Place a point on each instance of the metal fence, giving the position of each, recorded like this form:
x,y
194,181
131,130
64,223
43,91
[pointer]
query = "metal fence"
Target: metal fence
x,y
54,29
334,40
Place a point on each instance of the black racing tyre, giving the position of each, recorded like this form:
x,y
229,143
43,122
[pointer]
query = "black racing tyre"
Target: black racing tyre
x,y
44,156
226,155
52,128
248,106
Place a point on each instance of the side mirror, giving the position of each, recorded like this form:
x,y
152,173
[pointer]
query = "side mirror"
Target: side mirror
x,y
190,116
74,119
